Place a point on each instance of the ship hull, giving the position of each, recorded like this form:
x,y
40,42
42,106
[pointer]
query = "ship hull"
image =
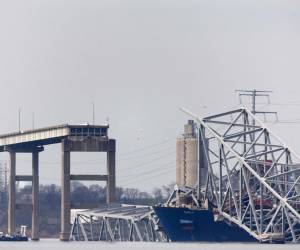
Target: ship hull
x,y
183,224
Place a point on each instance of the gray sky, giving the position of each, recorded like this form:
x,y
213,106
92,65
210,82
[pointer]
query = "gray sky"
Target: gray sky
x,y
140,61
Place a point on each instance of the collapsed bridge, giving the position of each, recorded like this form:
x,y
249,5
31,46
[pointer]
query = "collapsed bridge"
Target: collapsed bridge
x,y
252,177
117,223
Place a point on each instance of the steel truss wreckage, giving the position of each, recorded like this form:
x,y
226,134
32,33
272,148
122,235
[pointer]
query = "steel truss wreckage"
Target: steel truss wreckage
x,y
252,178
117,223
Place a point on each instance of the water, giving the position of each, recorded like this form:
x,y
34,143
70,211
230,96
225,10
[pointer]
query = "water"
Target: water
x,y
57,245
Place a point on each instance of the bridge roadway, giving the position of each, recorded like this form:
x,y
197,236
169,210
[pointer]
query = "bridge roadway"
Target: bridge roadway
x,y
73,138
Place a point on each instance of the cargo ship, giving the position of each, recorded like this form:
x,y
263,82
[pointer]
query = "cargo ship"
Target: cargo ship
x,y
187,216
185,224
230,187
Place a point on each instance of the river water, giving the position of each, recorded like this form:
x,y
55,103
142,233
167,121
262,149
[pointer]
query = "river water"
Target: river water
x,y
47,244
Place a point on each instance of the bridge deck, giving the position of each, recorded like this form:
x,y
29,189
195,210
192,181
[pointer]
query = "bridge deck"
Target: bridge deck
x,y
50,135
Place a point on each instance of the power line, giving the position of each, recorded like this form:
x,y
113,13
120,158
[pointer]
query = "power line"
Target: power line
x,y
169,165
145,155
147,177
286,122
118,160
256,93
124,177
148,162
123,154
149,146
284,104
128,158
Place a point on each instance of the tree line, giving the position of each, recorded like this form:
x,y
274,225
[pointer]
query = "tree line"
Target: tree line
x,y
49,202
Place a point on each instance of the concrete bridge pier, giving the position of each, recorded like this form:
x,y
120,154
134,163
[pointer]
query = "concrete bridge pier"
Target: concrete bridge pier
x,y
35,232
12,192
111,173
87,144
65,193
34,178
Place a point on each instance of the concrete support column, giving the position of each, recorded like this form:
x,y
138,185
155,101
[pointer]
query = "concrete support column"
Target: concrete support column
x,y
65,194
12,192
111,172
35,196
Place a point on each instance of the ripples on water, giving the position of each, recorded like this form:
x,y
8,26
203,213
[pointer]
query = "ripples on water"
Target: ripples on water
x,y
57,245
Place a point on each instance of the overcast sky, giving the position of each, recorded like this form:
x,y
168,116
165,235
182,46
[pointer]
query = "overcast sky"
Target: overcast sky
x,y
140,61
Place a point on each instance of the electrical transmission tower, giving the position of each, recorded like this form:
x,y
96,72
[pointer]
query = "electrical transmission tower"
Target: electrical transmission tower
x,y
254,94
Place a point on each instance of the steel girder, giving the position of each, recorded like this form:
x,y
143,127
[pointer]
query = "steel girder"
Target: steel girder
x,y
117,223
253,178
